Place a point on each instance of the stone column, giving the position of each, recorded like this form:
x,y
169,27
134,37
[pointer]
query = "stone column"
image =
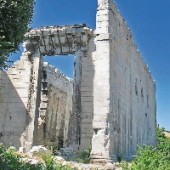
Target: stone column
x,y
101,124
87,96
76,111
32,47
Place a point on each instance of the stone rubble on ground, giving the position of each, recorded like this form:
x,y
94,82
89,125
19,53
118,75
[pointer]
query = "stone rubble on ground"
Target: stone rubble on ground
x,y
38,149
32,159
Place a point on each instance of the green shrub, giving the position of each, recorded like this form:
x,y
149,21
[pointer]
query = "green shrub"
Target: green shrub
x,y
11,160
50,163
83,157
151,158
124,165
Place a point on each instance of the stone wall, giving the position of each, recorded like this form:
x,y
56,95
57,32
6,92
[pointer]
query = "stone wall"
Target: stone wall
x,y
109,105
13,104
87,87
34,108
132,89
63,40
124,92
55,107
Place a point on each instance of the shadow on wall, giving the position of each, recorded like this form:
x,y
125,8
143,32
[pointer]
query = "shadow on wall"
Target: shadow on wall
x,y
55,107
13,113
87,84
81,129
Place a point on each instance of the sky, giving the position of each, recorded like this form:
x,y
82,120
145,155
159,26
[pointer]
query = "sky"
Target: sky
x,y
149,21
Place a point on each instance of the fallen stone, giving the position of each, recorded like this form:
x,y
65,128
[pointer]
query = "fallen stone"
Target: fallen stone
x,y
30,161
38,149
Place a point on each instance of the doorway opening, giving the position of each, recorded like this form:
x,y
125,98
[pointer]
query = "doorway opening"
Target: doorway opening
x,y
57,99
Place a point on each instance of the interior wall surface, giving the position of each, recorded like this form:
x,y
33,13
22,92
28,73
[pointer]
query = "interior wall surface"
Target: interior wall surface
x,y
55,107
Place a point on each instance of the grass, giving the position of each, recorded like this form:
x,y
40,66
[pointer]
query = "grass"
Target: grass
x,y
83,157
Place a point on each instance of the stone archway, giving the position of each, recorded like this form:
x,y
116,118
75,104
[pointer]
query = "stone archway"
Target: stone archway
x,y
63,41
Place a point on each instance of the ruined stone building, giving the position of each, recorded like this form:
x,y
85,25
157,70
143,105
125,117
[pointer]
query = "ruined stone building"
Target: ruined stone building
x,y
110,105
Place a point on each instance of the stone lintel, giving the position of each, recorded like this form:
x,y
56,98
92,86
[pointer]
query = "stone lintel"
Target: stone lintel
x,y
58,40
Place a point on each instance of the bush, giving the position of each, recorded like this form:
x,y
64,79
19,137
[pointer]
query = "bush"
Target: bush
x,y
150,158
84,157
11,160
50,163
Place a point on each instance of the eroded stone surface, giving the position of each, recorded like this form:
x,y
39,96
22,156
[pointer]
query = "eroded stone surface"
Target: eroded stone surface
x,y
124,93
113,106
58,40
13,104
55,107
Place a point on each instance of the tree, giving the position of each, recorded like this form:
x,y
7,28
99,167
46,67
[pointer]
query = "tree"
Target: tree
x,y
15,15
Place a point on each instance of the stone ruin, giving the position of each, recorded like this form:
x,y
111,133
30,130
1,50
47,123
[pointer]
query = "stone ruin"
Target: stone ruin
x,y
110,105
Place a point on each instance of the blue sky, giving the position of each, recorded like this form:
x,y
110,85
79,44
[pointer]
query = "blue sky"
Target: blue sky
x,y
149,21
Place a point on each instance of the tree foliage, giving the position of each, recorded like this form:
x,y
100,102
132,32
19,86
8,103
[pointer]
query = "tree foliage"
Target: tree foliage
x,y
15,15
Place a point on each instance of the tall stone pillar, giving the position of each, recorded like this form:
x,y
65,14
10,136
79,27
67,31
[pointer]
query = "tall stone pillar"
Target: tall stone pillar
x,y
34,99
34,93
101,121
74,135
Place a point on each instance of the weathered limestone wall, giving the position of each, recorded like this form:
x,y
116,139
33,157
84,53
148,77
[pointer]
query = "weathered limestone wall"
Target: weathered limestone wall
x,y
55,108
63,40
101,134
133,91
86,128
81,133
14,91
35,104
111,100
124,92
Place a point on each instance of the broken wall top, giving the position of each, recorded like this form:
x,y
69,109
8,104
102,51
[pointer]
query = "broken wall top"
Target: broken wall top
x,y
114,22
